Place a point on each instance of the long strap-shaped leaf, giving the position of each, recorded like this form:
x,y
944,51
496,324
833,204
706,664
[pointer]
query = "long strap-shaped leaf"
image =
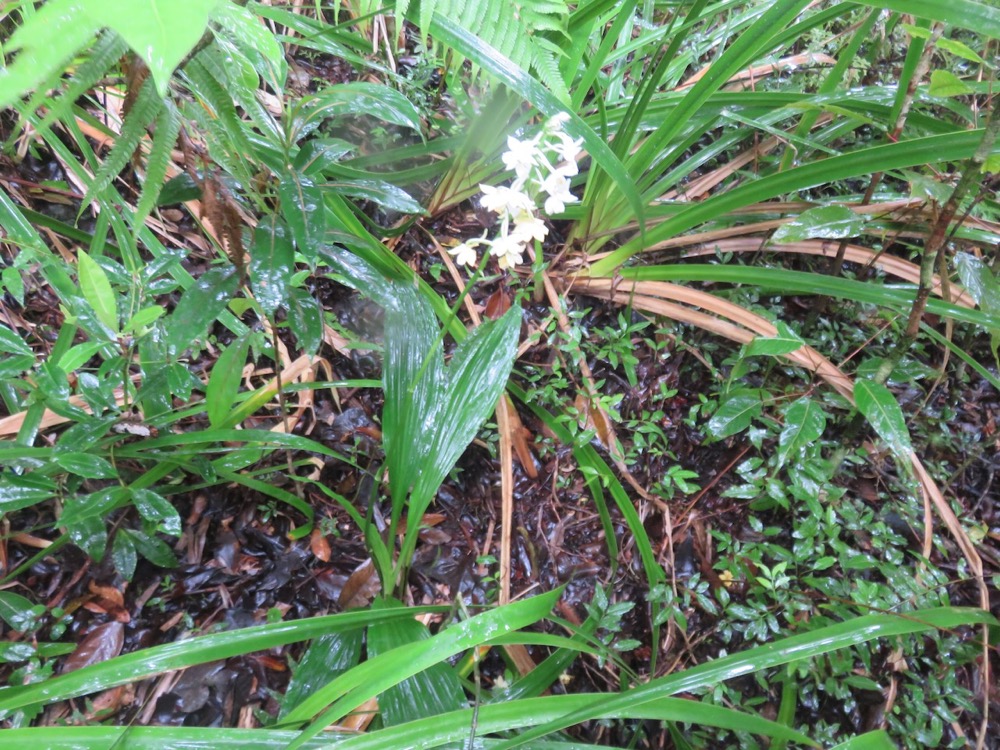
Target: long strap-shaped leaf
x,y
930,150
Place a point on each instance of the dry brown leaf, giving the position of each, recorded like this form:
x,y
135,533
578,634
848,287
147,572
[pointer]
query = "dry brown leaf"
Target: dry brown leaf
x,y
100,644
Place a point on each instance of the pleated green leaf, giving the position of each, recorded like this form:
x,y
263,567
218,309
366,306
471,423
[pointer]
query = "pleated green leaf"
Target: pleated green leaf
x,y
436,690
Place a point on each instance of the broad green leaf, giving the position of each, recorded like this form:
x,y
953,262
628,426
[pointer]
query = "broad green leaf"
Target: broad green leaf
x,y
381,192
90,534
255,40
146,316
272,261
97,291
436,690
21,359
735,412
784,341
158,510
882,411
22,491
199,306
320,153
124,556
224,382
15,610
368,100
804,423
85,465
374,676
177,190
305,319
945,83
152,548
11,280
980,282
303,210
825,222
876,740
161,32
327,657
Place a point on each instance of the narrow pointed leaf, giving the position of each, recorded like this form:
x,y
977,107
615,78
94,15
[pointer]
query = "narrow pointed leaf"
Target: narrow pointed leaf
x,y
97,290
882,411
224,382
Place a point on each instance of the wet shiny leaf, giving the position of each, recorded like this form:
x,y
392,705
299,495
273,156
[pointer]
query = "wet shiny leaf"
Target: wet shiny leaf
x,y
826,222
369,100
272,261
735,412
85,465
124,556
882,411
97,290
305,318
783,342
327,657
320,153
199,306
100,644
224,382
15,610
17,356
158,510
804,423
434,691
23,491
303,210
153,549
89,533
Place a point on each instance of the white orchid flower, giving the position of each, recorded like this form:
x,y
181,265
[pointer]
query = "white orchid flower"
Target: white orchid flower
x,y
465,254
542,166
521,156
528,227
505,201
557,187
508,249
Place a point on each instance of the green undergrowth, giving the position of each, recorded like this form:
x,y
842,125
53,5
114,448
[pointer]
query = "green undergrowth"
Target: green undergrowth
x,y
736,339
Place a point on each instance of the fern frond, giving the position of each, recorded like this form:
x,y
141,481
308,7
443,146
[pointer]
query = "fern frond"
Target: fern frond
x,y
222,120
147,105
105,53
515,29
168,125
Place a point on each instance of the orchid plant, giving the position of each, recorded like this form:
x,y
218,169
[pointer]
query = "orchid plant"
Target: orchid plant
x,y
542,166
